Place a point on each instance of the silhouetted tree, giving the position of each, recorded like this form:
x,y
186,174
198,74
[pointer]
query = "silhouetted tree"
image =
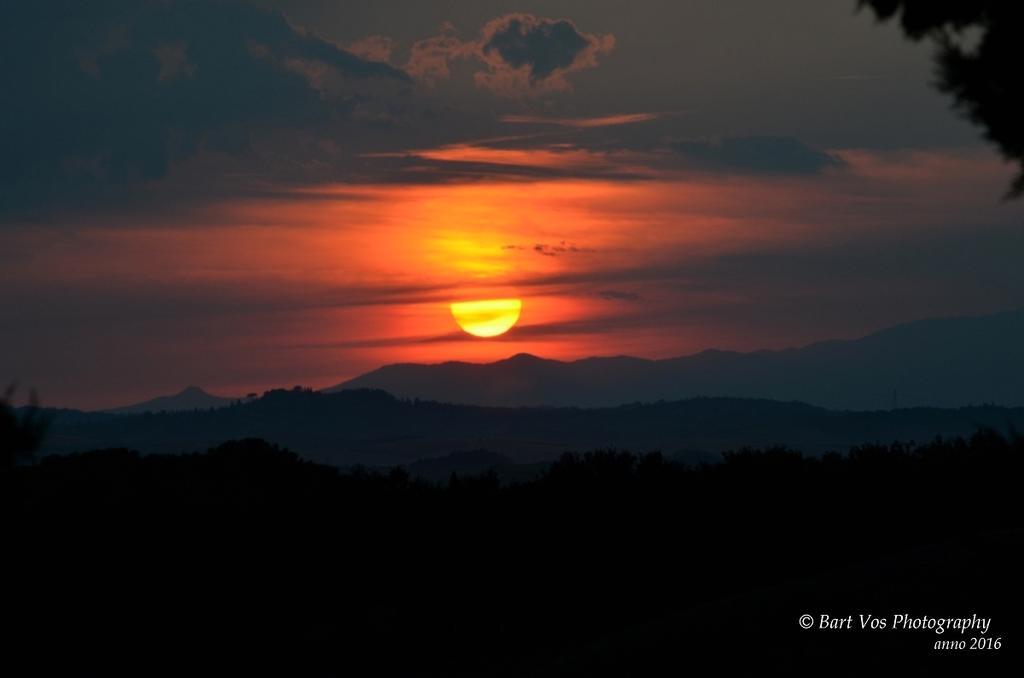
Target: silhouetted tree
x,y
983,77
20,435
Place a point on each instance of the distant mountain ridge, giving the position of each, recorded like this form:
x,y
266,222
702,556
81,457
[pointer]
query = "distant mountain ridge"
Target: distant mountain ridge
x,y
189,398
948,362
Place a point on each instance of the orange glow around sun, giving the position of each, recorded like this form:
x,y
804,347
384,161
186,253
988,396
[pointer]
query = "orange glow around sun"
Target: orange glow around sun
x,y
488,317
348,278
323,283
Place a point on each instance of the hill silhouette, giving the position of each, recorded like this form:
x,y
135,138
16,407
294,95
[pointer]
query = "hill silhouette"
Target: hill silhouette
x,y
189,398
377,429
929,363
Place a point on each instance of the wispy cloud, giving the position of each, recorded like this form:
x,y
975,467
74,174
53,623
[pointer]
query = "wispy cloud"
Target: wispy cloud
x,y
618,295
473,161
562,247
756,154
583,123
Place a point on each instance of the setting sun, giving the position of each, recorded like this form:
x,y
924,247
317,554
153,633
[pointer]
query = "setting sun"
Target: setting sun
x,y
487,318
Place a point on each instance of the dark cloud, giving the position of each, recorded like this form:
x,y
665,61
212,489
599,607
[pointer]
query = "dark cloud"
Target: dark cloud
x,y
566,328
412,168
618,295
100,93
523,54
583,123
756,155
540,45
562,247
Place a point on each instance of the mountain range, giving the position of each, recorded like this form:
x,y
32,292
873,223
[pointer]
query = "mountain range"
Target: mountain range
x,y
948,362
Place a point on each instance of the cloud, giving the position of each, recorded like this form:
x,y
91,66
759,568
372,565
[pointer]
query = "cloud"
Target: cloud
x,y
562,247
756,155
467,162
99,94
173,58
147,104
564,328
582,123
373,48
618,295
525,53
522,54
429,58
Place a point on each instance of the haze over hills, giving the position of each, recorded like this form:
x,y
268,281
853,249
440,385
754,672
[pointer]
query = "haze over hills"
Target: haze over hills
x,y
949,362
696,406
377,429
190,398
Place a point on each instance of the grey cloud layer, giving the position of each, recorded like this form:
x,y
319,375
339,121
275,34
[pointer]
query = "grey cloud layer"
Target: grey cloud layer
x,y
101,99
109,92
758,155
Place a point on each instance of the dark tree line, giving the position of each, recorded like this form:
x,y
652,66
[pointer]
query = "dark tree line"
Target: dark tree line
x,y
247,559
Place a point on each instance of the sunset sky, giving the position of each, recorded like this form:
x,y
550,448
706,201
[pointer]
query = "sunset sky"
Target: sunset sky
x,y
252,195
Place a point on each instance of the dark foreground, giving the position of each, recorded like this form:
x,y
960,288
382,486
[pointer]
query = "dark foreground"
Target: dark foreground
x,y
248,561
